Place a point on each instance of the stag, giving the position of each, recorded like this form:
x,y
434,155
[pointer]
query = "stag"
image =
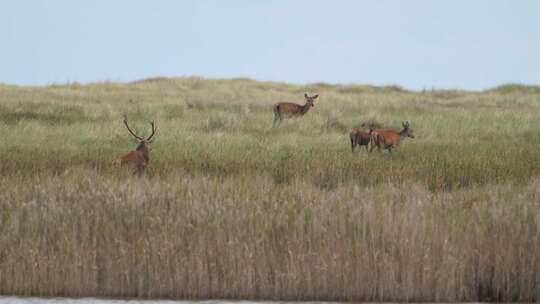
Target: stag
x,y
389,139
288,109
139,157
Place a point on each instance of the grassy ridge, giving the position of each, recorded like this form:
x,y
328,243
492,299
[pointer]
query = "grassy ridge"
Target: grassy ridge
x,y
224,127
232,208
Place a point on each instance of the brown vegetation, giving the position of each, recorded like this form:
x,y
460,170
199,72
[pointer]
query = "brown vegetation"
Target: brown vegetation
x,y
196,237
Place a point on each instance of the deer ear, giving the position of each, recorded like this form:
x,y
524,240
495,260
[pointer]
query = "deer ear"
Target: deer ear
x,y
315,96
305,95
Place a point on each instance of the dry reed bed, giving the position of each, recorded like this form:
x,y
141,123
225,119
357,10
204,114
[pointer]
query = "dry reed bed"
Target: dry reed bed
x,y
231,208
198,237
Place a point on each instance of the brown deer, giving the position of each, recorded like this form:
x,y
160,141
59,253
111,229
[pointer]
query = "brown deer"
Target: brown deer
x,y
139,157
360,138
288,109
389,139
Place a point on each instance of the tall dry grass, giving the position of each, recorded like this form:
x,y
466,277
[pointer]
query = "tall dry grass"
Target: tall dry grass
x,y
196,237
231,208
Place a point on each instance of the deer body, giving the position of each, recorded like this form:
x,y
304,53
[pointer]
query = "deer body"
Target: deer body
x,y
389,139
140,157
284,110
360,138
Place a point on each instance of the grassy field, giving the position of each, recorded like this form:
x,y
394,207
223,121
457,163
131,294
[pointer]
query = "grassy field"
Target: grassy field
x,y
233,208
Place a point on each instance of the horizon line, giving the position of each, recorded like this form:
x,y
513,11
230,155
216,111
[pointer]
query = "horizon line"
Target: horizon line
x,y
396,86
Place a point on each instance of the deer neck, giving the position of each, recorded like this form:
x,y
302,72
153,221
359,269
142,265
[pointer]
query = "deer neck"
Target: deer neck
x,y
403,133
146,155
143,150
305,108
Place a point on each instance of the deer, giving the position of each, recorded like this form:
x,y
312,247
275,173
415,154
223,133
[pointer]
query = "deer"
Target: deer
x,y
288,109
139,157
360,138
390,139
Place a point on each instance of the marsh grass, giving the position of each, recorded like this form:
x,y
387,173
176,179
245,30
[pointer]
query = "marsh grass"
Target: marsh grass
x,y
233,208
195,236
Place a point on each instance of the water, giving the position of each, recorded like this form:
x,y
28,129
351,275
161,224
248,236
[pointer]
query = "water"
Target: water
x,y
18,300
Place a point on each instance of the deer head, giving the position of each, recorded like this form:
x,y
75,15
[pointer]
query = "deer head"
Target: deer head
x,y
143,144
407,131
310,99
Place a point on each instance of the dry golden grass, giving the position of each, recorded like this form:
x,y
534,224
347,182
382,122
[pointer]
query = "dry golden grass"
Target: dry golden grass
x,y
231,208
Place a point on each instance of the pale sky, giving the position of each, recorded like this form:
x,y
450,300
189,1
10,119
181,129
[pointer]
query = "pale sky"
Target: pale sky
x,y
464,44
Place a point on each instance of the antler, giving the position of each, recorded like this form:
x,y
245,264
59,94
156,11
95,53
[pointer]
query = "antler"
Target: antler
x,y
153,131
132,133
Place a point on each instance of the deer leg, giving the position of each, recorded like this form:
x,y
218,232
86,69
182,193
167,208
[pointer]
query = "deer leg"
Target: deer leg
x,y
275,119
353,144
378,143
277,116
